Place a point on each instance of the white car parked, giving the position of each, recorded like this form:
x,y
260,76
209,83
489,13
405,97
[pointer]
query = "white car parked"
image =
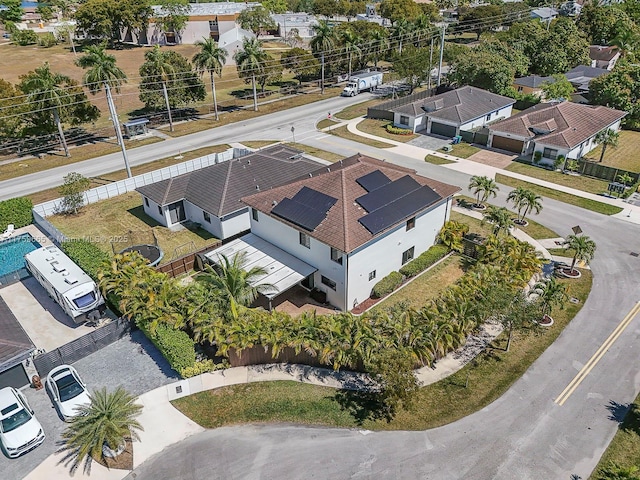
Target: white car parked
x,y
20,431
68,390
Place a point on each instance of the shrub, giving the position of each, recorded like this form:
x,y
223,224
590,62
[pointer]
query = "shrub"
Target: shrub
x,y
24,37
202,366
47,40
537,156
398,131
175,345
87,255
559,161
424,261
387,285
16,211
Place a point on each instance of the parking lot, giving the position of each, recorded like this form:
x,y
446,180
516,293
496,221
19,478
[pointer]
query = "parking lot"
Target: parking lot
x,y
132,362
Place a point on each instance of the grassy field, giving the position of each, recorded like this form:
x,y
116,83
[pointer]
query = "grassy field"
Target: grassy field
x,y
586,184
437,160
377,127
470,389
624,449
463,150
119,216
322,124
344,133
625,156
587,203
357,110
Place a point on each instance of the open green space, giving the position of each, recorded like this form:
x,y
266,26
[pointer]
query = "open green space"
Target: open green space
x,y
625,156
587,203
344,133
357,110
579,182
463,150
378,128
476,385
437,160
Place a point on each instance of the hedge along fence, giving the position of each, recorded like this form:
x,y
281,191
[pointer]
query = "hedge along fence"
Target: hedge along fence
x,y
16,211
86,254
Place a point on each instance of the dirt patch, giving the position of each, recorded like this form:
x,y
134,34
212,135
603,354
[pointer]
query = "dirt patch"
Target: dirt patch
x,y
493,158
124,461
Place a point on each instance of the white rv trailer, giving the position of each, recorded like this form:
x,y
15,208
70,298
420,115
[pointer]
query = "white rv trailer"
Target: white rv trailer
x,y
66,283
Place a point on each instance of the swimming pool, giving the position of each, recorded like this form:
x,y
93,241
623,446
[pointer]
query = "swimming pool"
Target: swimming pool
x,y
12,253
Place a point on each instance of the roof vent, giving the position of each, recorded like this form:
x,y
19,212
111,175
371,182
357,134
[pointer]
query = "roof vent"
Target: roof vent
x,y
274,203
248,161
258,187
310,175
57,267
71,280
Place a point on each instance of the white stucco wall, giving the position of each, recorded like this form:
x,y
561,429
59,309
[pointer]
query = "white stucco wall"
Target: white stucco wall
x,y
580,150
152,211
235,223
479,122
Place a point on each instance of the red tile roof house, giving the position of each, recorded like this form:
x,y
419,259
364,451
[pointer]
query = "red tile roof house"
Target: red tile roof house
x,y
554,129
349,224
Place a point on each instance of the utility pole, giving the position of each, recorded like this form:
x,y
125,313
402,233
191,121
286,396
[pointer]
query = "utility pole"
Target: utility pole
x,y
116,125
444,27
322,79
430,64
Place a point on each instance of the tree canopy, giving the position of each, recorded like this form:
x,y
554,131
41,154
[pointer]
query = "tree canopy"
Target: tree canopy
x,y
621,90
256,19
396,10
107,19
174,16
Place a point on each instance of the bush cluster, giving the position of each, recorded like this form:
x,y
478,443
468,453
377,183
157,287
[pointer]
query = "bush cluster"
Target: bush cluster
x,y
398,131
175,345
424,261
24,37
202,366
16,211
87,255
47,40
387,285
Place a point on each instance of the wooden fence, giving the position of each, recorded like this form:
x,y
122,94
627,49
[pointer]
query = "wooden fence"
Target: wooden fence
x,y
185,263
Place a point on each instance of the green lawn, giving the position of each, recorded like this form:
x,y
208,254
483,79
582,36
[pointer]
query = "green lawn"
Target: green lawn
x,y
317,152
591,185
378,128
344,133
488,377
463,150
587,203
322,124
358,110
437,160
625,156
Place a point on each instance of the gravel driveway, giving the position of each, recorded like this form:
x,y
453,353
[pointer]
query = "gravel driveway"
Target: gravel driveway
x,y
132,362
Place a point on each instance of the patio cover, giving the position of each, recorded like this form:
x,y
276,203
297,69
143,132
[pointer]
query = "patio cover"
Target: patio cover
x,y
283,269
15,344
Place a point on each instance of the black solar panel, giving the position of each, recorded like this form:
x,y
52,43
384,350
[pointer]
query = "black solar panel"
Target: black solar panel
x,y
388,193
306,209
372,181
314,199
404,207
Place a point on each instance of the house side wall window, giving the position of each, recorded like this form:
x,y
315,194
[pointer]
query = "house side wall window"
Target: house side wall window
x,y
146,201
160,210
407,255
372,275
206,216
305,240
411,223
488,117
404,120
254,214
328,282
520,89
551,153
336,255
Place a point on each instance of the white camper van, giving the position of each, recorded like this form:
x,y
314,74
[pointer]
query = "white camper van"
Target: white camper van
x,y
66,283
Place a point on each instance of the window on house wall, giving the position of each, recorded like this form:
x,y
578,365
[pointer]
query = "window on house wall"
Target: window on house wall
x,y
305,240
520,89
254,214
372,275
551,153
407,255
336,255
328,282
404,120
206,216
160,210
411,223
488,117
146,201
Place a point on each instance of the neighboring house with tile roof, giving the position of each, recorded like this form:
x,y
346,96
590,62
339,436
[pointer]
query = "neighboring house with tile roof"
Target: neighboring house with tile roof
x,y
544,14
211,196
354,222
603,56
446,114
554,129
581,76
15,347
531,85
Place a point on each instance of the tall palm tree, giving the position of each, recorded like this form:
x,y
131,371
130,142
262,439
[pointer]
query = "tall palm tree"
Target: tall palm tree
x,y
104,73
401,31
378,44
583,249
607,138
210,58
483,188
249,61
525,201
554,294
351,42
323,41
625,42
107,421
500,218
45,91
164,70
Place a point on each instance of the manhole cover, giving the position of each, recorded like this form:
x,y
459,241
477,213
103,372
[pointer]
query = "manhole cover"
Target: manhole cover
x,y
635,254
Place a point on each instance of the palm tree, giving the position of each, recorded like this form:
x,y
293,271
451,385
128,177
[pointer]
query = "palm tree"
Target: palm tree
x,y
607,138
625,42
105,423
103,72
401,30
249,61
323,41
236,286
583,249
483,188
379,43
210,58
500,218
44,91
164,69
525,201
351,42
451,234
625,179
553,294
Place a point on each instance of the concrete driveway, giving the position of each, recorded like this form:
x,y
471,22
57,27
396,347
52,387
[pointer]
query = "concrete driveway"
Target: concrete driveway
x,y
495,158
132,362
431,142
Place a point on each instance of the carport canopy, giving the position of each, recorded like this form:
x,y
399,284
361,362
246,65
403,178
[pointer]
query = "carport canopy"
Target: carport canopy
x,y
15,344
283,269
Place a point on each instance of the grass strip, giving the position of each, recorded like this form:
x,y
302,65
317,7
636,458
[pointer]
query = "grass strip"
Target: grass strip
x,y
579,182
378,128
344,133
437,160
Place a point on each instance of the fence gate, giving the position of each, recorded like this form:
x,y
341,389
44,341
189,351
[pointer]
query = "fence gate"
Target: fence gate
x,y
81,347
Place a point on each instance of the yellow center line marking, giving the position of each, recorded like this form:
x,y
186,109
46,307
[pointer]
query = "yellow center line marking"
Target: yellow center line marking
x,y
566,393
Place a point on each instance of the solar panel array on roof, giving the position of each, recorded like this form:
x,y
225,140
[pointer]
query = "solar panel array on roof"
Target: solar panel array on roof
x,y
372,181
387,193
306,209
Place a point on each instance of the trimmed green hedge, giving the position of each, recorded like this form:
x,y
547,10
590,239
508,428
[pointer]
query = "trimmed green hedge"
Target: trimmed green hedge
x,y
398,131
87,255
424,261
16,211
387,285
175,345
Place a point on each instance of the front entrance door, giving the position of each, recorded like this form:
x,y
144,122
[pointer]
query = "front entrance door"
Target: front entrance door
x,y
308,282
176,212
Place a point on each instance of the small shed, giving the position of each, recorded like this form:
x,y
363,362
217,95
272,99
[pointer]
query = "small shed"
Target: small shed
x,y
136,127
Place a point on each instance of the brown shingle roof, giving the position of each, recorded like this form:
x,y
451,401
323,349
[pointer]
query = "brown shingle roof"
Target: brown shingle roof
x,y
341,228
217,189
574,123
15,344
600,52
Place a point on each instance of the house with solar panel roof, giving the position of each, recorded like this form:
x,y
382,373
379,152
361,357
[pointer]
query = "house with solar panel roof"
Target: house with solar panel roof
x,y
342,228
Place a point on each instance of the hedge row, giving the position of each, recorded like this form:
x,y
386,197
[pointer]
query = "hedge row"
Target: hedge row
x,y
398,131
424,261
387,285
16,211
174,345
87,255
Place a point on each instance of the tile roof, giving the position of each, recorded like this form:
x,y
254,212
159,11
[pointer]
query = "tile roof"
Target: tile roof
x,y
341,228
533,81
15,344
217,189
600,52
581,75
569,124
461,105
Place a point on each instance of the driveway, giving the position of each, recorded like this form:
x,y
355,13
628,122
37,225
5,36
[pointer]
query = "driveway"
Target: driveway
x,y
430,141
494,158
132,362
